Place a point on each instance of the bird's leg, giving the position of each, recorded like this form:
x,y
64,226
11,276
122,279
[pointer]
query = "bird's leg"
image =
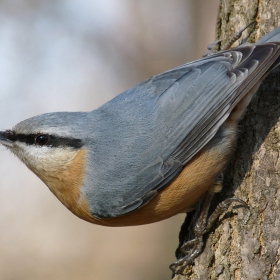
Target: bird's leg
x,y
230,42
236,36
203,225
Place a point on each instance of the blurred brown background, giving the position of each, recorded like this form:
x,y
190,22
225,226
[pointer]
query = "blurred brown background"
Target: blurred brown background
x,y
73,56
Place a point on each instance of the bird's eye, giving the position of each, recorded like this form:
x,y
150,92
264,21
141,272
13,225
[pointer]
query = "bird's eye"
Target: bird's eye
x,y
42,140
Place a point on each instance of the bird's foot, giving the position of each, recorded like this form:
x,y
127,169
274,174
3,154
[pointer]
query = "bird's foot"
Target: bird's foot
x,y
193,248
230,42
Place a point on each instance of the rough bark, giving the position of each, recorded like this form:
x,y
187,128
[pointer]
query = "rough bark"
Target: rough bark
x,y
246,244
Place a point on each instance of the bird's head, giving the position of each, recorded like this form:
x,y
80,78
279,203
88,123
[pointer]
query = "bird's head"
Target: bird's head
x,y
53,146
47,142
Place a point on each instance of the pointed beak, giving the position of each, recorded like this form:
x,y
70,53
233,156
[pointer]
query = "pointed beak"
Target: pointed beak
x,y
5,138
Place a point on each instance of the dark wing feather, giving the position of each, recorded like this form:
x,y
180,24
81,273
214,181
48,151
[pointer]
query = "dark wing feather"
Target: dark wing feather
x,y
252,66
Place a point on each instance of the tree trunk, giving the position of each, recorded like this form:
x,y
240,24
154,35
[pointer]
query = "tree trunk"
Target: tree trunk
x,y
246,244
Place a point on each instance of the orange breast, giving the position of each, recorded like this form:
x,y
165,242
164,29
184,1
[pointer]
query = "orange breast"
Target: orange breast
x,y
66,185
192,183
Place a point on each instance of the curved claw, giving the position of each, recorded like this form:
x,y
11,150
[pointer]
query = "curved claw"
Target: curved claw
x,y
235,199
203,226
188,259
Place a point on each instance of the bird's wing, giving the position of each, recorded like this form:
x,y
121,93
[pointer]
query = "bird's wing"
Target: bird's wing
x,y
172,116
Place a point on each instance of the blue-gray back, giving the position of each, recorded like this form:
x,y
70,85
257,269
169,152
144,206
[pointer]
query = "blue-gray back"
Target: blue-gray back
x,y
142,139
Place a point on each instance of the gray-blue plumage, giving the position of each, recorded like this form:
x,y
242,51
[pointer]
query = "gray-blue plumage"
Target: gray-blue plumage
x,y
144,137
141,140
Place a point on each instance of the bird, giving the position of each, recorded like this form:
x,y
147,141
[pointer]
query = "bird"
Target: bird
x,y
154,150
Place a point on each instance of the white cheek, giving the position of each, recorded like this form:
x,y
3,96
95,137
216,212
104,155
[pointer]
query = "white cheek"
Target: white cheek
x,y
44,157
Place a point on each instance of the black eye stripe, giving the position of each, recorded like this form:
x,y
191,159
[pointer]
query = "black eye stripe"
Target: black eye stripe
x,y
53,140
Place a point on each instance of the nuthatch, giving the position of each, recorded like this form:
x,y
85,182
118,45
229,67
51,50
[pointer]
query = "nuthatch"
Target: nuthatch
x,y
154,150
